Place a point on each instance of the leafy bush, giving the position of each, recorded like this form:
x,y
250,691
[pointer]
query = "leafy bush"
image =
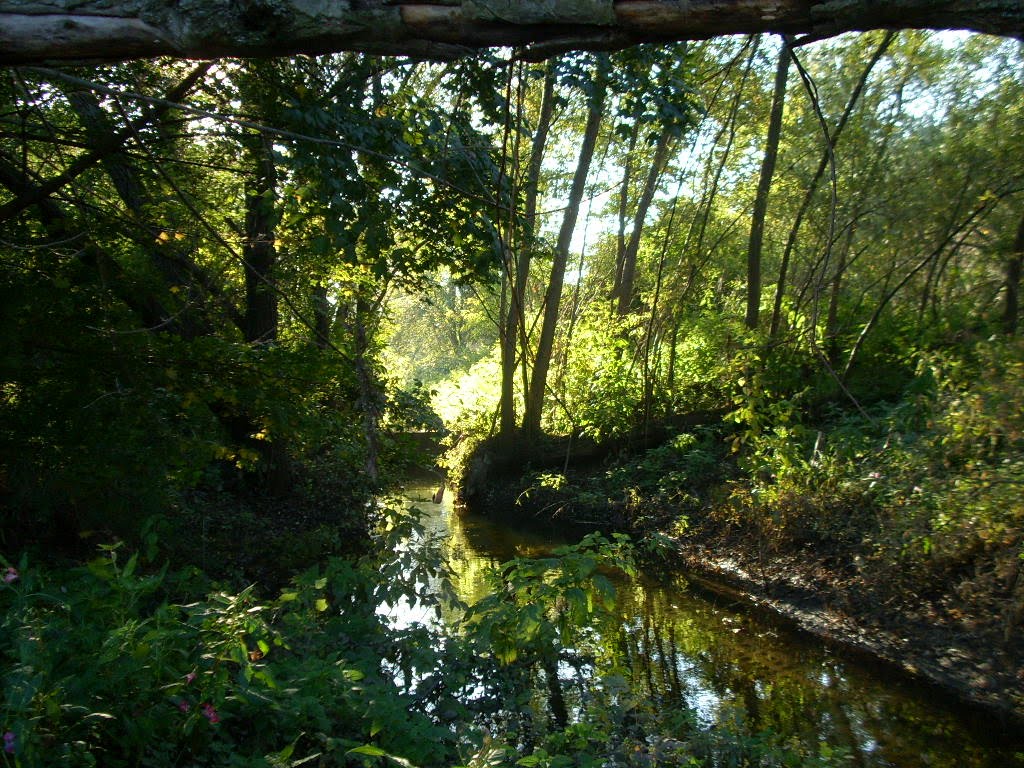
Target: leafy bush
x,y
103,667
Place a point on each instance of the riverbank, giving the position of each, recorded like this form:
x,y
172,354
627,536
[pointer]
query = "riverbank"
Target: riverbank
x,y
940,641
858,569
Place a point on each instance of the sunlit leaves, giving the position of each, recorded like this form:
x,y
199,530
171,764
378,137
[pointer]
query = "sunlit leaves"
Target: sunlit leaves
x,y
541,606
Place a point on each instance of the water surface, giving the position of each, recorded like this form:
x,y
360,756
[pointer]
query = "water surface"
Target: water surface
x,y
682,651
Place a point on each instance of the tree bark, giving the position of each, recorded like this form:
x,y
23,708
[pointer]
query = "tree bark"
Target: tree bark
x,y
515,320
764,186
321,317
259,252
50,30
117,144
620,237
58,226
780,288
1011,309
628,275
175,267
553,298
369,393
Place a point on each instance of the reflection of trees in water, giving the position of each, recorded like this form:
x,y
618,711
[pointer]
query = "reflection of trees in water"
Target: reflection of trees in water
x,y
686,653
476,544
682,654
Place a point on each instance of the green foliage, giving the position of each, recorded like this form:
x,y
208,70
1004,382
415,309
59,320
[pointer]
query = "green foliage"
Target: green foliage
x,y
466,400
924,490
599,381
538,607
104,667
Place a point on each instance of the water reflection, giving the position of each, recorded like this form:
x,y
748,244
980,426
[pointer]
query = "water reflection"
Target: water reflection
x,y
681,652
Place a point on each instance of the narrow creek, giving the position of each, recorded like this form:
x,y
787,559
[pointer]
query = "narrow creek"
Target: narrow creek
x,y
684,651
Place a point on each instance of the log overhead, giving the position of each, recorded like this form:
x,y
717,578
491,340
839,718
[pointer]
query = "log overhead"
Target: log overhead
x,y
41,31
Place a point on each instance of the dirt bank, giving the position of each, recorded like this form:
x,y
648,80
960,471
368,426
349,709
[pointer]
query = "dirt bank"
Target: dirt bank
x,y
928,639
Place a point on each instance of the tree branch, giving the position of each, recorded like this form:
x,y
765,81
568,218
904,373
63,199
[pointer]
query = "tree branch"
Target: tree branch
x,y
100,30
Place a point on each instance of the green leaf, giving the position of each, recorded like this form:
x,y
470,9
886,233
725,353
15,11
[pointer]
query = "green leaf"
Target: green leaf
x,y
368,749
129,567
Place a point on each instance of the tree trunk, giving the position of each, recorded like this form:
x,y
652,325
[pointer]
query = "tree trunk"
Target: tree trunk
x,y
514,334
1011,309
764,186
553,298
175,267
369,394
49,30
835,293
58,226
780,288
620,237
259,252
707,202
625,292
259,255
321,317
115,145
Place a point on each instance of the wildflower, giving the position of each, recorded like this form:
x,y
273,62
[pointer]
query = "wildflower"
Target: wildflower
x,y
10,743
184,706
11,575
190,677
210,713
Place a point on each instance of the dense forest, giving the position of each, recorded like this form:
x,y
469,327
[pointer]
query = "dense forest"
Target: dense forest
x,y
754,304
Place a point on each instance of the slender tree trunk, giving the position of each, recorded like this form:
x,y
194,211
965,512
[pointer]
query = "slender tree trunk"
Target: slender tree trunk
x,y
369,394
764,185
259,255
514,335
1011,309
708,199
321,317
832,320
115,145
672,354
166,258
780,287
627,180
259,252
59,226
556,698
625,292
954,237
538,382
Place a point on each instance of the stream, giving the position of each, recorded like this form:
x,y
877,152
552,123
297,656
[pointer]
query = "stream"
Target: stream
x,y
684,651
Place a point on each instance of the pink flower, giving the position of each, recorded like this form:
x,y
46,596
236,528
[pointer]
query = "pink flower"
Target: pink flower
x,y
184,706
10,743
190,677
210,713
10,575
